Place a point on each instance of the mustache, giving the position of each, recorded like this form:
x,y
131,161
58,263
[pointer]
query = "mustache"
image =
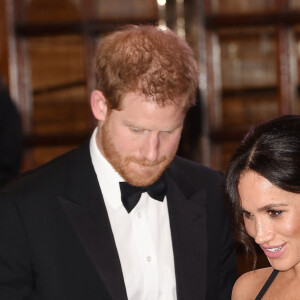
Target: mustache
x,y
145,162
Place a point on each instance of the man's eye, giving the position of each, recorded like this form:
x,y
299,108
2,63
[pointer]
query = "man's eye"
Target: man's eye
x,y
168,131
274,212
136,130
165,133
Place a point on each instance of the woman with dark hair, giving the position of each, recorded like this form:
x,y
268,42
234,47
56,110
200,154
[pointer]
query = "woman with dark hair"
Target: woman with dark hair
x,y
263,186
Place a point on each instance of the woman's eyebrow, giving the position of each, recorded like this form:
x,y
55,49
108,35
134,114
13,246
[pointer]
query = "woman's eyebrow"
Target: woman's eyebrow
x,y
266,207
272,206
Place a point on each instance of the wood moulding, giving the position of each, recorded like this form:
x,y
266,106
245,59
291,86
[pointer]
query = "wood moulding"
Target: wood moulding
x,y
215,21
93,27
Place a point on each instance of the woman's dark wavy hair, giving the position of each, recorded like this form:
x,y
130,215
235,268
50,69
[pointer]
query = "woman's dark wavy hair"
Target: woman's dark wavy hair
x,y
271,149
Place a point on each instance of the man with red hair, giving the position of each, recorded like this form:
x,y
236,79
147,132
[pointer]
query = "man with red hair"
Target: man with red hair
x,y
121,217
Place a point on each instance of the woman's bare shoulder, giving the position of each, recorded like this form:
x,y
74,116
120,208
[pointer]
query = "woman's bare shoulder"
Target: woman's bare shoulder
x,y
249,284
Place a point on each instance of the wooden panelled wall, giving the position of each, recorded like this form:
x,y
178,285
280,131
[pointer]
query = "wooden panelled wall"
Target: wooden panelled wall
x,y
252,68
248,54
51,47
3,43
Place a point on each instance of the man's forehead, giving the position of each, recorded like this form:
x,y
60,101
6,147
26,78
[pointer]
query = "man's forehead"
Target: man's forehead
x,y
155,99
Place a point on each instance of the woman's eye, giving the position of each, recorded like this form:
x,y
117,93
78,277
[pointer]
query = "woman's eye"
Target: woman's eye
x,y
274,212
246,214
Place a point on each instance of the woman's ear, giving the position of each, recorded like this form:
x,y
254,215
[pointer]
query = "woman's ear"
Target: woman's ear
x,y
98,105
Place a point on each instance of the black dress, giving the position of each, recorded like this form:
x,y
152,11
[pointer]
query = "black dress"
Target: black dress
x,y
266,285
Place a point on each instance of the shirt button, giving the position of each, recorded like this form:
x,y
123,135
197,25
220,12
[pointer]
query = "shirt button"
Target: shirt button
x,y
139,214
148,259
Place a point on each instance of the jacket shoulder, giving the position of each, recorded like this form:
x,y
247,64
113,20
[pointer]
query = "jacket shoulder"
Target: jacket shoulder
x,y
194,171
50,177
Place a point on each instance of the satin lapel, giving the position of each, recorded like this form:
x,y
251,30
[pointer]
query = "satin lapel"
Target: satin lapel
x,y
188,229
86,211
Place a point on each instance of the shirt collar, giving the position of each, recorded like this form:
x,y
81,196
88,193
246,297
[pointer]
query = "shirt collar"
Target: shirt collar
x,y
108,177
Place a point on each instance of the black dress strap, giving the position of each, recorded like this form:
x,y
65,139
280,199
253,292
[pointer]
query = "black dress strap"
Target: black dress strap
x,y
266,285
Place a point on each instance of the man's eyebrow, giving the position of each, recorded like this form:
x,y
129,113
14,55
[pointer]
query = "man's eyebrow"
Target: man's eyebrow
x,y
131,124
173,128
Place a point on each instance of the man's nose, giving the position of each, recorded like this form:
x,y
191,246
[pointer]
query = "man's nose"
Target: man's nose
x,y
263,232
150,147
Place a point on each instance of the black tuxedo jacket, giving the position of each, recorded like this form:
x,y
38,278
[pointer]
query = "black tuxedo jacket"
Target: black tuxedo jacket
x,y
11,138
56,241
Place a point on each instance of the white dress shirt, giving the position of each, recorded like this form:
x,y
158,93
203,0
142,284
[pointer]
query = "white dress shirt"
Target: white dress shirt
x,y
142,237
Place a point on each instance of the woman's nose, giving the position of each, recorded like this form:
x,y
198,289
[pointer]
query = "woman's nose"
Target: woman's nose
x,y
263,232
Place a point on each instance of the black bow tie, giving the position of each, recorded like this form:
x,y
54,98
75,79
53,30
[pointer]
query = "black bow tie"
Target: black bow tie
x,y
130,194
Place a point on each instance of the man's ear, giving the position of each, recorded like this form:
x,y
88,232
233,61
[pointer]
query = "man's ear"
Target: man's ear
x,y
98,105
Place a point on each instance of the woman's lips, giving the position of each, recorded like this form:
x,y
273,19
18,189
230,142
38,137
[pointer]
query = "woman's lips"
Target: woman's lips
x,y
273,251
